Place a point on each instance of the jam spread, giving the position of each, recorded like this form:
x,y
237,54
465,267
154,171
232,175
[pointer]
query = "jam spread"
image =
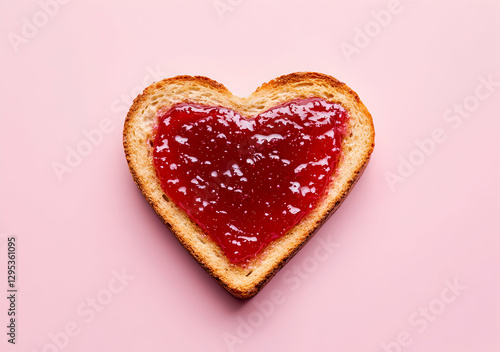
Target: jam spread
x,y
247,181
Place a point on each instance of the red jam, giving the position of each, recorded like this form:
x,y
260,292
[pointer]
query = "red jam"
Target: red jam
x,y
246,182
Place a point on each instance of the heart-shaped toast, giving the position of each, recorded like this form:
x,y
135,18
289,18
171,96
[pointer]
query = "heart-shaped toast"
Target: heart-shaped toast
x,y
243,183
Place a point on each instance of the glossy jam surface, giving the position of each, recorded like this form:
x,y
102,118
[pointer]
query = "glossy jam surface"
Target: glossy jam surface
x,y
246,182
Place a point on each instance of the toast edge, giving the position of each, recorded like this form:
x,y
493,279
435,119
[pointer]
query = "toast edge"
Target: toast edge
x,y
235,290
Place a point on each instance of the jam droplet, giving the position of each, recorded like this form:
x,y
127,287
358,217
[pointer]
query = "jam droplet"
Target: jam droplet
x,y
246,182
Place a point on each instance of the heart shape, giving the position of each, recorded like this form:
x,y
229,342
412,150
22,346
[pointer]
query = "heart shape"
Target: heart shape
x,y
168,149
246,182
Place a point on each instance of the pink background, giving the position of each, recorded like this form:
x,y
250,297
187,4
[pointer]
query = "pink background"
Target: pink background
x,y
396,247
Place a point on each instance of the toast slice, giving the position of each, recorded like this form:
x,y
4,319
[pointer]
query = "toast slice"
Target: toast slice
x,y
245,281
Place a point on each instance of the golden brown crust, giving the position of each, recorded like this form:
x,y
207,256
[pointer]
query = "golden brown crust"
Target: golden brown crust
x,y
357,148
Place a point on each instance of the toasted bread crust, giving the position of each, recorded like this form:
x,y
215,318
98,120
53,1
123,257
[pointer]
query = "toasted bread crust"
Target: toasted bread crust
x,y
245,282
